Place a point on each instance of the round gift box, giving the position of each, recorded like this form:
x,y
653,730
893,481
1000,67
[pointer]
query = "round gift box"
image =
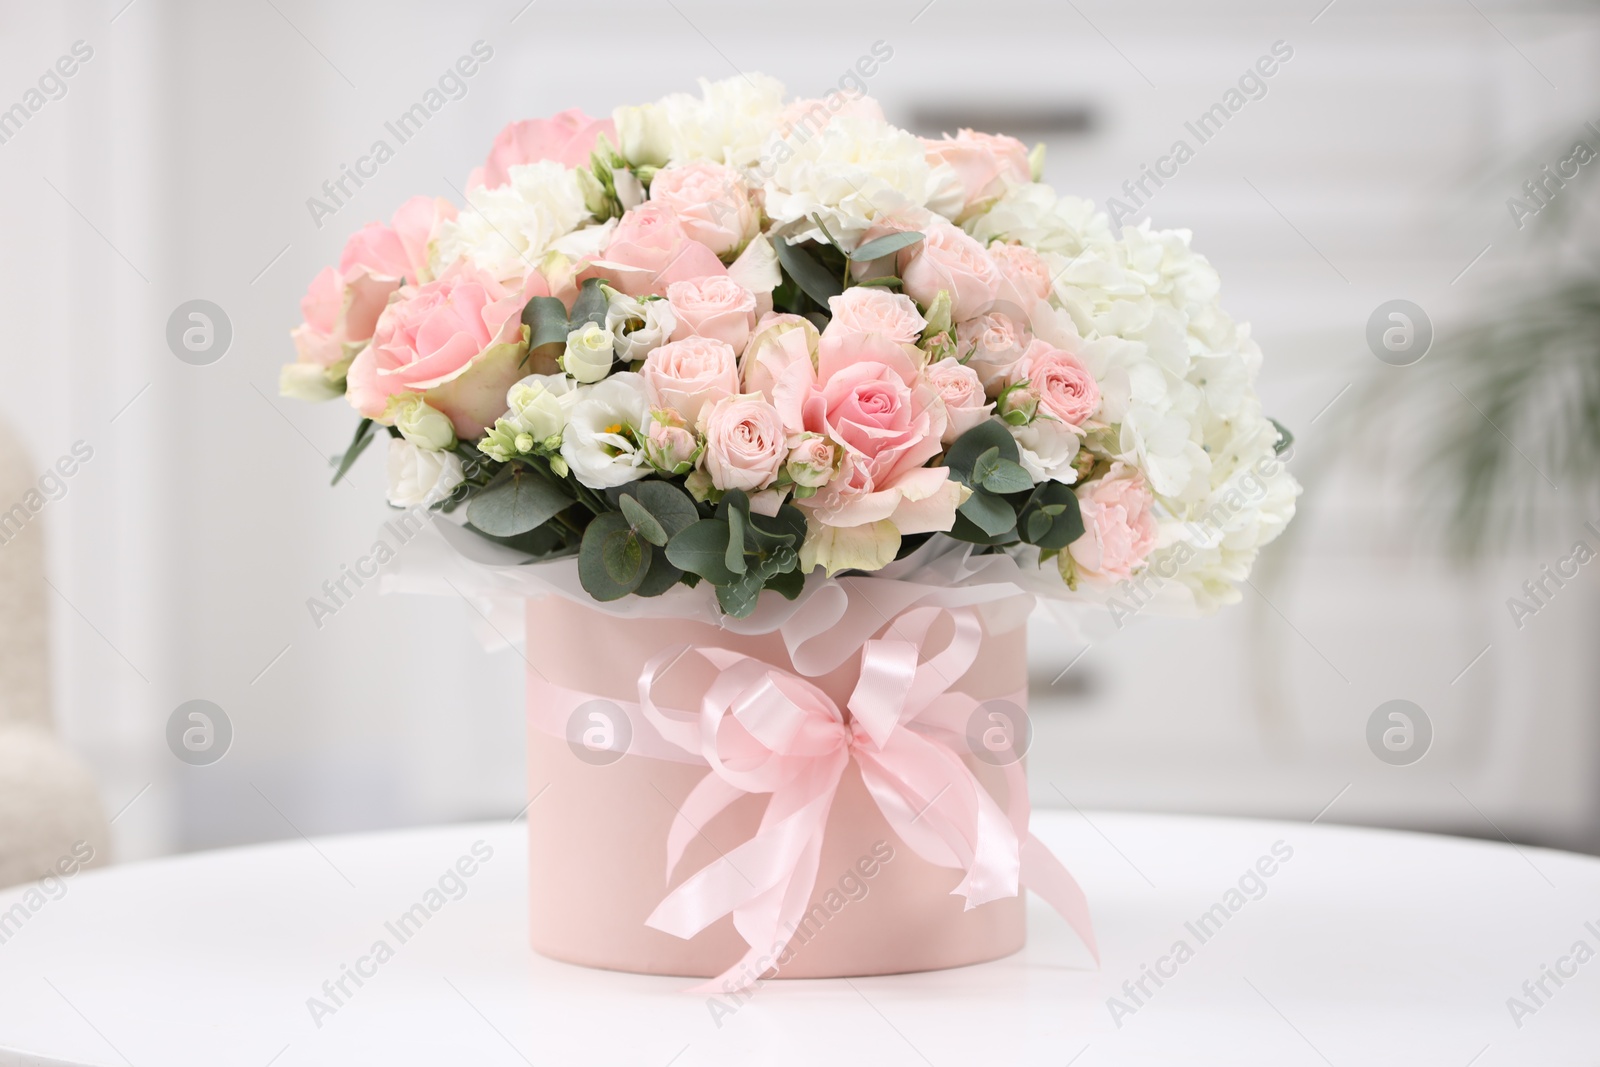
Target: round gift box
x,y
598,823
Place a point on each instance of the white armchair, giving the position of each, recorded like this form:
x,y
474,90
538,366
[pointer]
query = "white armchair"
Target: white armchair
x,y
49,807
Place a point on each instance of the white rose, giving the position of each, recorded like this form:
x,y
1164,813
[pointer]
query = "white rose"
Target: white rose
x,y
511,227
588,356
645,133
1047,450
602,442
419,477
638,327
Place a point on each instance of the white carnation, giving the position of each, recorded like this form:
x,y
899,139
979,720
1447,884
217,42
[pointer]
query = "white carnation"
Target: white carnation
x,y
505,231
728,123
852,172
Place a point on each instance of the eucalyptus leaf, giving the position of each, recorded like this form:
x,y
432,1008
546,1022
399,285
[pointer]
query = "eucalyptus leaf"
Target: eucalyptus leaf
x,y
736,526
884,279
516,502
590,306
810,275
967,530
546,320
988,434
358,445
671,506
989,513
643,523
1006,477
613,561
1038,526
886,245
702,549
787,584
1285,438
661,576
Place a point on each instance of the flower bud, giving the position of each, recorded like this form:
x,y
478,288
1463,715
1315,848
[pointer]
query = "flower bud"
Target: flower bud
x,y
423,426
644,133
589,353
811,461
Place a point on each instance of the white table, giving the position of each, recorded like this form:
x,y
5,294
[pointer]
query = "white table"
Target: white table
x,y
1364,948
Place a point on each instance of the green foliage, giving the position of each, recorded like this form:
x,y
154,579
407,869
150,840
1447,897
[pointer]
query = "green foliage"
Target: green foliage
x,y
516,501
887,245
802,263
613,560
358,445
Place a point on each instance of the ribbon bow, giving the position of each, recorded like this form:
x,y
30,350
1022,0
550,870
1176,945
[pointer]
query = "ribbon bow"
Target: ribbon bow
x,y
763,729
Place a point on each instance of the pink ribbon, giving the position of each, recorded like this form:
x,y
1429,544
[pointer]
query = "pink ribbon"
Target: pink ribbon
x,y
763,729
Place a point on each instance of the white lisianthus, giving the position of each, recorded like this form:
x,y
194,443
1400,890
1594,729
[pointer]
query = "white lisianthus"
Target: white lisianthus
x,y
540,404
603,441
638,327
852,172
644,133
424,426
508,228
419,477
589,351
728,123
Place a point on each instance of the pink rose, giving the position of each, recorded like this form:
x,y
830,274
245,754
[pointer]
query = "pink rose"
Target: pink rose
x,y
1119,526
687,375
711,201
950,260
745,443
965,404
985,164
718,308
456,340
567,138
1063,386
341,307
870,309
650,249
778,342
339,314
866,396
811,460
1025,278
805,118
992,344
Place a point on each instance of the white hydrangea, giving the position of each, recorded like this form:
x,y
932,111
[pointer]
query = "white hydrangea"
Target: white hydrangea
x,y
728,123
506,231
1036,216
852,172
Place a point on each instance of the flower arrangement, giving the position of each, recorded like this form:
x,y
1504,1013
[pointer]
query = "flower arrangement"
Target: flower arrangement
x,y
729,339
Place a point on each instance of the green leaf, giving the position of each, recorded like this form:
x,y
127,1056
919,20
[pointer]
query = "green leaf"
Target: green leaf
x,y
816,280
702,548
643,523
886,279
736,527
987,463
989,513
883,246
613,561
964,453
1285,438
787,584
967,530
671,506
1051,518
358,445
1005,477
546,320
661,576
1038,526
590,306
516,502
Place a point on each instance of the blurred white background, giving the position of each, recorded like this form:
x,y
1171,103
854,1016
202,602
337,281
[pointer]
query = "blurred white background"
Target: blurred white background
x,y
178,164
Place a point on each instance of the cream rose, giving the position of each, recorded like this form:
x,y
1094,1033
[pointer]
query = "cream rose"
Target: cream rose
x,y
717,308
745,443
870,309
589,353
689,374
711,201
965,404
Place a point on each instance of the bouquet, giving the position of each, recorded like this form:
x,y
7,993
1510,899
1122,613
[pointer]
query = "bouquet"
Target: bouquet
x,y
728,339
